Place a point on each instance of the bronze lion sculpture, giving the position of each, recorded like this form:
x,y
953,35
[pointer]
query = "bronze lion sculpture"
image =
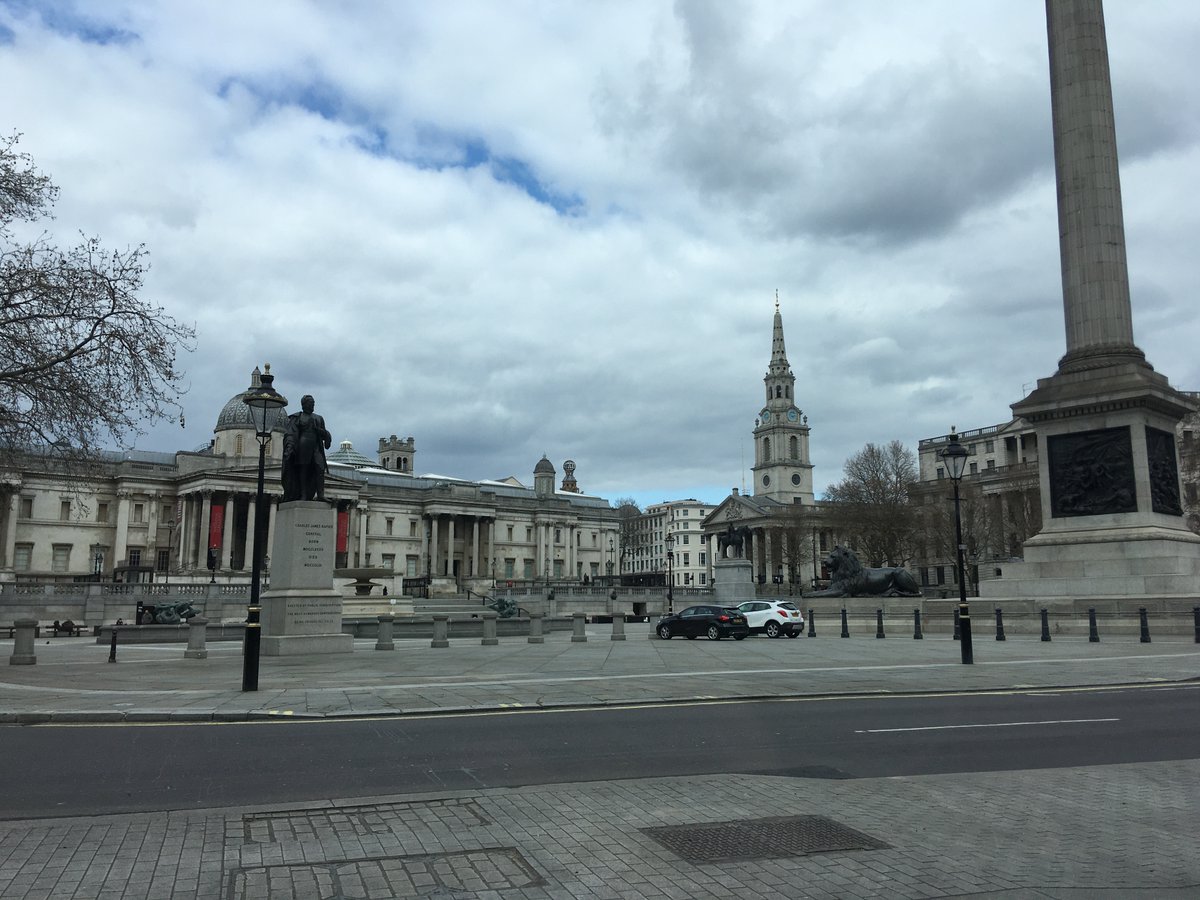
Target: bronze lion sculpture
x,y
850,578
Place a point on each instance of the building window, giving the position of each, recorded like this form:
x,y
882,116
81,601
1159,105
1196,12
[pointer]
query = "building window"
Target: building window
x,y
510,566
101,512
163,560
703,578
528,569
64,511
410,567
687,559
135,556
139,513
61,560
412,528
167,513
558,535
793,448
991,464
239,445
558,568
22,554
940,572
766,449
974,468
529,535
389,560
510,528
26,508
388,525
703,558
989,446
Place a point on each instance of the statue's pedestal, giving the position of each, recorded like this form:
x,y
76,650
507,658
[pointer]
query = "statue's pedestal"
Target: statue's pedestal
x,y
733,582
302,613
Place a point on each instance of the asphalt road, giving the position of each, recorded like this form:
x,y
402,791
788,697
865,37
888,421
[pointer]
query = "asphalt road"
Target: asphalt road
x,y
55,770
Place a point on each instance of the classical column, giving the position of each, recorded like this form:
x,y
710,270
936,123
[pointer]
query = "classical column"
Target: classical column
x,y
1091,226
426,550
474,567
491,545
769,556
433,546
10,527
363,512
450,538
122,537
205,528
251,522
227,533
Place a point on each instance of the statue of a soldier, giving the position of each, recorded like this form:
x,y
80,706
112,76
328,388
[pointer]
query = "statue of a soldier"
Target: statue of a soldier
x,y
305,441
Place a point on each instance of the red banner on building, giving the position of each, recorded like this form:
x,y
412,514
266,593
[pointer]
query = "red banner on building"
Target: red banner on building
x,y
343,531
216,525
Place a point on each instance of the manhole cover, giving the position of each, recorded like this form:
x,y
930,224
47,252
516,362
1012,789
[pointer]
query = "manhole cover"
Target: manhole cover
x,y
761,838
387,877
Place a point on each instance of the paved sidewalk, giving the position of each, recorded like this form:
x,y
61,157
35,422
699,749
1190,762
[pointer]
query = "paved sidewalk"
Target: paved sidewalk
x,y
1096,832
73,680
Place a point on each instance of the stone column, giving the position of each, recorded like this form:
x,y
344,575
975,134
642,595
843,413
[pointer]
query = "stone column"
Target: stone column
x,y
227,534
489,629
205,525
1091,226
535,627
383,640
181,528
426,549
441,631
474,567
363,512
23,652
122,536
578,632
434,562
251,525
10,527
768,556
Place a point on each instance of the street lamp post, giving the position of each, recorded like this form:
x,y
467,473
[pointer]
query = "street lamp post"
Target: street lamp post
x,y
263,399
612,547
98,566
170,546
670,574
955,458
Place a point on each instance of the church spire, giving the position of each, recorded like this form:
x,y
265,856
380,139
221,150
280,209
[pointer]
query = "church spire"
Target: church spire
x,y
778,367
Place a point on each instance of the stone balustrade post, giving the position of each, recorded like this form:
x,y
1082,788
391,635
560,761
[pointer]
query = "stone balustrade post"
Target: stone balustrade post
x,y
535,628
23,654
383,638
578,636
489,629
197,636
618,617
441,631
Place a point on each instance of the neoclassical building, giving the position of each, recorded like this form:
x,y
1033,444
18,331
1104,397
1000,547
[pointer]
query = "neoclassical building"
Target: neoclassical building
x,y
190,516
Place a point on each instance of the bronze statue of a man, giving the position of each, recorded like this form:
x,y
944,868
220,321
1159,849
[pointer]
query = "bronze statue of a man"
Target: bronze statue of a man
x,y
305,441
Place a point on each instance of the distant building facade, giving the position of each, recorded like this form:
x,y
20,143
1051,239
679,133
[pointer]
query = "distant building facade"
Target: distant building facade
x,y
190,516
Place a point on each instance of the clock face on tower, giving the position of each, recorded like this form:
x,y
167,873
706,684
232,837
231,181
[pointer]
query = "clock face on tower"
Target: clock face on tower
x,y
765,416
793,415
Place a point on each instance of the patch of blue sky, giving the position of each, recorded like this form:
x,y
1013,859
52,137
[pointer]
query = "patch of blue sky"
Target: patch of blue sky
x,y
64,17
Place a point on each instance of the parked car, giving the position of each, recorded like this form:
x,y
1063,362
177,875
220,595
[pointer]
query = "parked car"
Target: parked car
x,y
712,622
773,618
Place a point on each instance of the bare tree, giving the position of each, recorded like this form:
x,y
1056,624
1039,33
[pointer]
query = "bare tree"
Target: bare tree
x,y
870,505
83,361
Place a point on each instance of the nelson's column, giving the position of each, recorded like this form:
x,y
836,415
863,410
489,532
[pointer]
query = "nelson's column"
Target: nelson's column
x,y
1105,421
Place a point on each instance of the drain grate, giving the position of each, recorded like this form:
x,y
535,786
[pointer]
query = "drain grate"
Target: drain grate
x,y
761,838
359,821
464,873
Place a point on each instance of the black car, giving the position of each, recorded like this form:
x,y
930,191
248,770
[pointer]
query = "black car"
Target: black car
x,y
713,622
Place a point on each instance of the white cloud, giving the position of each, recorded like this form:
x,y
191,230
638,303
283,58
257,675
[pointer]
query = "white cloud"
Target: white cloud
x,y
525,228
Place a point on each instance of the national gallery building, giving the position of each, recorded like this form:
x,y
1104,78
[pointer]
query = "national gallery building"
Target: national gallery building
x,y
190,516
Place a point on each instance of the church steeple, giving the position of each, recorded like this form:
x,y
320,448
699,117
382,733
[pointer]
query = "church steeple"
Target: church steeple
x,y
782,471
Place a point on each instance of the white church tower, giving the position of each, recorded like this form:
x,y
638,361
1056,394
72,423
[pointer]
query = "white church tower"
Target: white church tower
x,y
782,471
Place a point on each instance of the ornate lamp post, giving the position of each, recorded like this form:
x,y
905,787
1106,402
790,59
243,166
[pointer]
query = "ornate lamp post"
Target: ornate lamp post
x,y
955,458
612,547
263,399
98,565
170,546
670,574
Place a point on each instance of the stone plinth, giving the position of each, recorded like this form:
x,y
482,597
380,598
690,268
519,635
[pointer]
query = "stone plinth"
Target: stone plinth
x,y
302,613
733,582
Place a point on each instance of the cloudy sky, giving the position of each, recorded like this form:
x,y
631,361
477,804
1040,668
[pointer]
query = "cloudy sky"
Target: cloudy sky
x,y
515,228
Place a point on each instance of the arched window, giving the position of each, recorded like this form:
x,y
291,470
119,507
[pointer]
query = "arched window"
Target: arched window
x,y
787,391
238,445
778,391
766,449
793,448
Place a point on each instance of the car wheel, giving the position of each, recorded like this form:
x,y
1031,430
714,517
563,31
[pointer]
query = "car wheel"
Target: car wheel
x,y
714,633
793,633
739,637
772,629
664,632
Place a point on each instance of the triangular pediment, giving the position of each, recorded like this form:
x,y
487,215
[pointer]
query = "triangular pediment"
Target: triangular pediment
x,y
733,510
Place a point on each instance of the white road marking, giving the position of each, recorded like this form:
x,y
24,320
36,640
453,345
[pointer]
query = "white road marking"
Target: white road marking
x,y
983,725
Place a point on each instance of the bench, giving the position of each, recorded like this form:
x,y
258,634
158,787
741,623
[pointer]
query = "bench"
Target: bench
x,y
68,628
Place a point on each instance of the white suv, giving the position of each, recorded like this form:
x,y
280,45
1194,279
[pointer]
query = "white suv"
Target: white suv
x,y
773,618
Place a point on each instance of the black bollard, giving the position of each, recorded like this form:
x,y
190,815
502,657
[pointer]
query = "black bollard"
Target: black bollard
x,y
879,624
1000,625
1093,634
1045,625
1196,619
957,625
1145,625
812,629
112,646
917,636
845,624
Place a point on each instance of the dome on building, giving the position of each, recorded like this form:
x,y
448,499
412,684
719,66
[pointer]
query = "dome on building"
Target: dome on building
x,y
348,456
236,414
544,467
